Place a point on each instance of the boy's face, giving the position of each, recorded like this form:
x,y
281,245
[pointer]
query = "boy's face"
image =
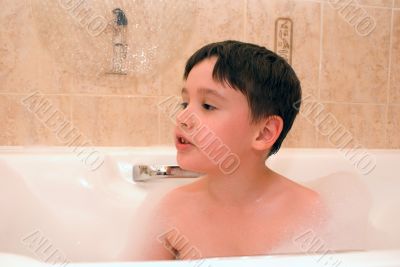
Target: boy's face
x,y
221,113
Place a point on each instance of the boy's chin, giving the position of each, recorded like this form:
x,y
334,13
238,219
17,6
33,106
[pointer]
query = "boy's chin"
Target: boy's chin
x,y
192,164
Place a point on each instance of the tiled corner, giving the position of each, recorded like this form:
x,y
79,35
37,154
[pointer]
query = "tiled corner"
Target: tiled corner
x,y
394,92
361,124
114,84
215,21
397,3
261,17
355,67
303,134
172,78
26,123
393,127
116,121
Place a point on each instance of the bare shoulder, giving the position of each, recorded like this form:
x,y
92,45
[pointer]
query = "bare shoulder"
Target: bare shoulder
x,y
180,197
302,198
303,194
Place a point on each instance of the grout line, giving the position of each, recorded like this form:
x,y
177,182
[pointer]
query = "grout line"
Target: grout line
x,y
389,75
78,94
321,35
364,5
355,4
70,109
159,124
71,99
370,6
352,103
157,97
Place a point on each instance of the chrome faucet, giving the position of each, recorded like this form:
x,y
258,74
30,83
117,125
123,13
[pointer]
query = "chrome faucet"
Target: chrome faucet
x,y
141,173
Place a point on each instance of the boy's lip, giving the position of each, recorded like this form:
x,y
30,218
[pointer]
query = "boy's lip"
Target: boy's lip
x,y
182,142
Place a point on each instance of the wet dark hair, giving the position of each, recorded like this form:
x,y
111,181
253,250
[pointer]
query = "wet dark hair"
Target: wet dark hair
x,y
266,79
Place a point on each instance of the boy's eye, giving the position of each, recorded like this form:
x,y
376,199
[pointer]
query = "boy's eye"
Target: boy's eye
x,y
208,107
183,104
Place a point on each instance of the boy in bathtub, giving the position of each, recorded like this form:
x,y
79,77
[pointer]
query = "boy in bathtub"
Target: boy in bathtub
x,y
239,101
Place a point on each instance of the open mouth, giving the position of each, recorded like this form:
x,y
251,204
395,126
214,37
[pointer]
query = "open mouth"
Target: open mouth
x,y
182,140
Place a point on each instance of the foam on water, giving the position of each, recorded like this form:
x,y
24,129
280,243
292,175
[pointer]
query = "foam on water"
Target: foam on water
x,y
348,202
344,226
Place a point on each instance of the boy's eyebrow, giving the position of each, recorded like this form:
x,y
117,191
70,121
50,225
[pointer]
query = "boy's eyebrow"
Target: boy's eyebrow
x,y
204,91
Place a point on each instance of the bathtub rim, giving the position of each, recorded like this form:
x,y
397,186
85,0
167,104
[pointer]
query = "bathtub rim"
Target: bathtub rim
x,y
371,258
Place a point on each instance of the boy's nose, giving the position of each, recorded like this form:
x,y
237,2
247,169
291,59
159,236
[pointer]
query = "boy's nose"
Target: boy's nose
x,y
183,120
184,125
187,120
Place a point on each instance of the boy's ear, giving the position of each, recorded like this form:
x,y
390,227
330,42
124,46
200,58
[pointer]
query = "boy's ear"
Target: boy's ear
x,y
267,133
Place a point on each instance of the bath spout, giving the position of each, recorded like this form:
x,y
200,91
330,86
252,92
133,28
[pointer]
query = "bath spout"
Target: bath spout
x,y
141,173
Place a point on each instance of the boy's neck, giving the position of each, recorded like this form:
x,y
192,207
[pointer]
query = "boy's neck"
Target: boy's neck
x,y
247,185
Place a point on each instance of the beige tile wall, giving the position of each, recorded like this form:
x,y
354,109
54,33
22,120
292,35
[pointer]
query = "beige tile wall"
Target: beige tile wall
x,y
353,78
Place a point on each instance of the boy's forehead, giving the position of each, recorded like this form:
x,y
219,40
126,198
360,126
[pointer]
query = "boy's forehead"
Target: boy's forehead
x,y
214,88
205,91
203,69
201,79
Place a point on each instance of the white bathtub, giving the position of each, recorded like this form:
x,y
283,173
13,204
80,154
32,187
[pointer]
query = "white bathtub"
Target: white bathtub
x,y
56,210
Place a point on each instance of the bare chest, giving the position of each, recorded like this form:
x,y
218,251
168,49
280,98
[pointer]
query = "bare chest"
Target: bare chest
x,y
209,233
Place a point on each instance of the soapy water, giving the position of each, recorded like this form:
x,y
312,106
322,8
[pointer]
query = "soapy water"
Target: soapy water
x,y
79,34
348,202
123,212
351,204
346,225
